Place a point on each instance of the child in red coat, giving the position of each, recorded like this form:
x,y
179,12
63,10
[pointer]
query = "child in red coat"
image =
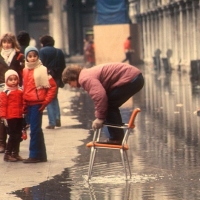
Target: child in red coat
x,y
11,112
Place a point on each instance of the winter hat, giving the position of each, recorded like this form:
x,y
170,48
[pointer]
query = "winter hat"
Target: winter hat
x,y
9,73
23,38
30,48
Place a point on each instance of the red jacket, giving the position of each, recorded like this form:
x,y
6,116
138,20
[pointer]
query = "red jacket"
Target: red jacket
x,y
32,95
11,103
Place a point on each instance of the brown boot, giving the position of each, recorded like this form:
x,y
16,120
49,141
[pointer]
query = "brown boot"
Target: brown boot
x,y
15,151
9,158
17,156
3,137
2,149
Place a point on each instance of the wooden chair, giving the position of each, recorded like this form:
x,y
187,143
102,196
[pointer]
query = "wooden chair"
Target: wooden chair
x,y
96,144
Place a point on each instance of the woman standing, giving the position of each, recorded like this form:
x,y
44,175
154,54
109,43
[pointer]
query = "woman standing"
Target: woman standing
x,y
10,58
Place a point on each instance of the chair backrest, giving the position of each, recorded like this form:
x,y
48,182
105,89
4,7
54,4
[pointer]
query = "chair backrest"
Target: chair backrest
x,y
132,118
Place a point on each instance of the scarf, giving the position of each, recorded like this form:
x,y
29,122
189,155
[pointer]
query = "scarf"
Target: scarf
x,y
8,55
41,77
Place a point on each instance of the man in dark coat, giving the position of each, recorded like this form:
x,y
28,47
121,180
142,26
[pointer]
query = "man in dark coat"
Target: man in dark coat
x,y
54,60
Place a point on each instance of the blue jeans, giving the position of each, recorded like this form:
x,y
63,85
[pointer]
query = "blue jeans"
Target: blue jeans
x,y
116,98
37,146
53,110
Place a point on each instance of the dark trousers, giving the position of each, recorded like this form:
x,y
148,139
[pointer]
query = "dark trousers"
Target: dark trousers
x,y
128,57
15,134
37,146
116,98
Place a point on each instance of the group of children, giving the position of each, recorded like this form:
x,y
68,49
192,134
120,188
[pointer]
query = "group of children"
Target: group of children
x,y
27,92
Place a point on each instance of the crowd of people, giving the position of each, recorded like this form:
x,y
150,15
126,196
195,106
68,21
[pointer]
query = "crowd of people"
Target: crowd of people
x,y
31,79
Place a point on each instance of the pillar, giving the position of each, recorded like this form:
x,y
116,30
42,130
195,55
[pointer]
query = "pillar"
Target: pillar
x,y
4,16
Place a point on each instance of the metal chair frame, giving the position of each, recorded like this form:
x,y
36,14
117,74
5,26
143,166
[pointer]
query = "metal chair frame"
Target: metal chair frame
x,y
97,144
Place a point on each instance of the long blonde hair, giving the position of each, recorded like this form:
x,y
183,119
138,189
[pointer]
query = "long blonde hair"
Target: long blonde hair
x,y
10,37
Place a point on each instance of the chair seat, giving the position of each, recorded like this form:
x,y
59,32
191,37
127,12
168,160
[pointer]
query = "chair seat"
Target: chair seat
x,y
104,145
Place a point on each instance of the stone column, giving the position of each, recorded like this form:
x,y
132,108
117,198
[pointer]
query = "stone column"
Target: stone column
x,y
57,23
12,16
65,31
4,17
148,42
144,36
181,56
194,30
176,36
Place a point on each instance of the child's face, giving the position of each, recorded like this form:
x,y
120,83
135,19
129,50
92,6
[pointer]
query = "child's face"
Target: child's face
x,y
73,84
32,56
12,81
6,45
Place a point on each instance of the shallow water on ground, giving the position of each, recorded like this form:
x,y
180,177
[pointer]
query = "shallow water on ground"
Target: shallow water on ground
x,y
164,148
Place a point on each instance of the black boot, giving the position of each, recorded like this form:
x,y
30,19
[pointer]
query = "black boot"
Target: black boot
x,y
15,153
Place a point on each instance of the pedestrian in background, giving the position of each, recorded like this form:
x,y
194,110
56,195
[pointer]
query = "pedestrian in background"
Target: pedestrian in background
x,y
10,58
90,53
11,104
128,50
109,85
54,60
23,38
39,91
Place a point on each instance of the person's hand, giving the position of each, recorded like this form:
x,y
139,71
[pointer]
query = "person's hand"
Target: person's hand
x,y
42,107
97,123
25,110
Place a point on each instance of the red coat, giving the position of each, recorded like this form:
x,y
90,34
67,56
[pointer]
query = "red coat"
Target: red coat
x,y
11,103
32,95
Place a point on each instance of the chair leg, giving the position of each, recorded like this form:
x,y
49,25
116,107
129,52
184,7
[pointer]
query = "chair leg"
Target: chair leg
x,y
127,160
123,162
91,163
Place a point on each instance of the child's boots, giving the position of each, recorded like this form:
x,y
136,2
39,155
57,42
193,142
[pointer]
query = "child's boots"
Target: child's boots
x,y
8,157
15,153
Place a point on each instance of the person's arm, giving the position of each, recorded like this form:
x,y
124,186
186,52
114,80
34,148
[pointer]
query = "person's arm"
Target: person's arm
x,y
99,97
51,92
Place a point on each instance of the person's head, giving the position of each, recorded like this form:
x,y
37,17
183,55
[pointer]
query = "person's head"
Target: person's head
x,y
70,75
23,38
11,78
8,41
47,40
31,54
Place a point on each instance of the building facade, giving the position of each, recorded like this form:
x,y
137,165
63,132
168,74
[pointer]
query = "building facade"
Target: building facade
x,y
169,29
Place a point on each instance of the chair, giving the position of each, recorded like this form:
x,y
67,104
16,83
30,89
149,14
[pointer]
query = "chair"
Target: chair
x,y
97,144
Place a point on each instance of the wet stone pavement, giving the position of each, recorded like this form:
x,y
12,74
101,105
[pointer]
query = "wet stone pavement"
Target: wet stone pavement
x,y
164,148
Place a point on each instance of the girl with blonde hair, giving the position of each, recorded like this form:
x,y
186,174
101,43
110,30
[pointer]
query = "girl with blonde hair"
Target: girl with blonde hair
x,y
10,58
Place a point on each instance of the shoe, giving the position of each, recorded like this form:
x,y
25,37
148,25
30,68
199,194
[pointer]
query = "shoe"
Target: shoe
x,y
43,160
18,157
9,158
31,160
58,123
50,127
109,141
2,149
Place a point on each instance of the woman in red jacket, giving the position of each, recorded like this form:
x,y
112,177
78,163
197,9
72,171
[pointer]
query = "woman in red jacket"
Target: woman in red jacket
x,y
11,103
39,90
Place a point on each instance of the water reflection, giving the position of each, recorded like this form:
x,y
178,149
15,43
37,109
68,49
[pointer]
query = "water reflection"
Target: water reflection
x,y
164,148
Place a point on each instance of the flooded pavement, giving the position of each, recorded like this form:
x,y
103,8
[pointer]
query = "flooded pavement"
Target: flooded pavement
x,y
164,148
